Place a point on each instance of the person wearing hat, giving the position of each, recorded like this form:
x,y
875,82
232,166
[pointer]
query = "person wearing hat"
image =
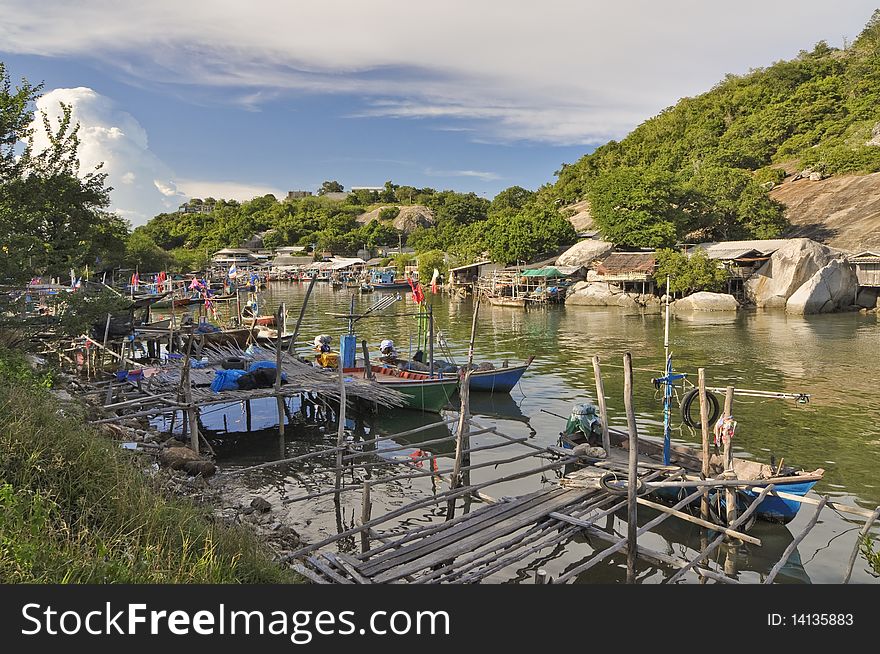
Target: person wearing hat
x,y
324,357
388,353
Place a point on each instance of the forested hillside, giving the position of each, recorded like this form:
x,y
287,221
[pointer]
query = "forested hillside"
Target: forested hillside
x,y
702,169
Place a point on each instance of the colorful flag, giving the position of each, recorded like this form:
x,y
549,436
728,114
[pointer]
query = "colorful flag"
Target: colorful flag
x,y
434,278
233,271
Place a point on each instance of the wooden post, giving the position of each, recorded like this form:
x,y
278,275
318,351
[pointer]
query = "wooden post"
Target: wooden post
x,y
461,442
191,410
368,368
340,434
632,479
302,310
729,473
106,336
603,410
704,423
431,340
541,576
278,399
247,414
366,511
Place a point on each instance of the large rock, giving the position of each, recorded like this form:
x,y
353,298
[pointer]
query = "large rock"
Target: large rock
x,y
832,288
705,301
788,269
595,295
409,217
584,253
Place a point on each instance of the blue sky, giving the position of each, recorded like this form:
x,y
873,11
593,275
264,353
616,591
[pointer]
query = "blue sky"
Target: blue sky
x,y
235,99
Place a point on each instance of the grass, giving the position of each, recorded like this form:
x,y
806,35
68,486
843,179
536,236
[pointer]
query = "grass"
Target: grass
x,y
76,509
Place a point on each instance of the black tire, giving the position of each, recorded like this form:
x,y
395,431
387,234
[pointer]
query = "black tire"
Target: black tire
x,y
688,400
620,490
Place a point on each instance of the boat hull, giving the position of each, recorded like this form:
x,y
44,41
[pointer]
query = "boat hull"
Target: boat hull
x,y
422,393
499,380
771,509
516,302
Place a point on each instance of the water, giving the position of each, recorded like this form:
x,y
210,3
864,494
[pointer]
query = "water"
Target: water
x,y
832,358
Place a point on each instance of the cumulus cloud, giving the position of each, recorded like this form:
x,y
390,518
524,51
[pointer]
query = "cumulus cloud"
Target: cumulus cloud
x,y
556,71
143,185
112,137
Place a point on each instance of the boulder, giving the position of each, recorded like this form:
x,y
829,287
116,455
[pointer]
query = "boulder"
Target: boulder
x,y
875,136
584,253
830,289
788,269
595,295
705,301
627,301
867,297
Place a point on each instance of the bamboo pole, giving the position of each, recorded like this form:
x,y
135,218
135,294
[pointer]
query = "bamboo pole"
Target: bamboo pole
x,y
278,399
603,409
106,336
704,427
340,434
705,553
792,546
632,478
292,345
703,523
862,534
729,473
462,441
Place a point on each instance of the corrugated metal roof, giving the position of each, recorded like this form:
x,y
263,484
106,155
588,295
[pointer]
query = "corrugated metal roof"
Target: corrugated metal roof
x,y
728,250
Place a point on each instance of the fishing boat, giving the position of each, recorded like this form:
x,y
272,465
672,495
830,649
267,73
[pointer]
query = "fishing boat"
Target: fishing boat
x,y
366,288
177,302
506,301
385,280
584,426
497,380
422,392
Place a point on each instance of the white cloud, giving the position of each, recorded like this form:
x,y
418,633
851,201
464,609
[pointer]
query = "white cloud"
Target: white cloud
x,y
479,174
142,184
555,71
113,137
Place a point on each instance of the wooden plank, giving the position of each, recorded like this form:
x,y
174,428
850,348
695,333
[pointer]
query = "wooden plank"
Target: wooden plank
x,y
327,570
346,568
478,520
470,543
308,574
703,523
351,564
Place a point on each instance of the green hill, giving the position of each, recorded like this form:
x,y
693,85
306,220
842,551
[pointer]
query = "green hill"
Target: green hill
x,y
702,169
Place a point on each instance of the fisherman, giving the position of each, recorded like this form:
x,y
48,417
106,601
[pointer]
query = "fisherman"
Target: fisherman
x,y
388,353
323,356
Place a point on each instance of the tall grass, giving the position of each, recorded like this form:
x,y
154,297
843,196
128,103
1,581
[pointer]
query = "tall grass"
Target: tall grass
x,y
74,508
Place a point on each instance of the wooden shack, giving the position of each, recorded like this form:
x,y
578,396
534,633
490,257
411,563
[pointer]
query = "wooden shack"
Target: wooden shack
x,y
867,267
629,270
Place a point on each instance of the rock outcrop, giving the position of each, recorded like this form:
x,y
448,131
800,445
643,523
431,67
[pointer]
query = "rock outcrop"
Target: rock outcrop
x,y
831,288
410,217
705,301
602,294
788,269
584,253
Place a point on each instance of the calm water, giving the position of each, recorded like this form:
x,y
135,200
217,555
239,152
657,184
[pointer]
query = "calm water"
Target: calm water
x,y
832,358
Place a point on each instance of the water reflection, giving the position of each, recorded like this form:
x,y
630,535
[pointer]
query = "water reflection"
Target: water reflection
x,y
830,357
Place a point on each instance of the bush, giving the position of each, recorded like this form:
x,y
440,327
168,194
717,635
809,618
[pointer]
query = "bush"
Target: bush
x,y
74,508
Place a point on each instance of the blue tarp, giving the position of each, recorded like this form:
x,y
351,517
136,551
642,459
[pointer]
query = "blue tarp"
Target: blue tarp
x,y
226,380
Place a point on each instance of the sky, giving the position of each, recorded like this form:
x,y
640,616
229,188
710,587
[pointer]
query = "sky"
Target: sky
x,y
233,99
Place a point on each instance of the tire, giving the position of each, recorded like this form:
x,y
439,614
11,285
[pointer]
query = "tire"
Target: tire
x,y
688,400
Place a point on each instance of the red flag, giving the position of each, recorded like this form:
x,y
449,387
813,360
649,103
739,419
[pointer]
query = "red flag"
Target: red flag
x,y
418,295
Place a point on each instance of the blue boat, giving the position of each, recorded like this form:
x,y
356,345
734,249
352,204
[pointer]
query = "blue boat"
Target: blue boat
x,y
584,425
498,380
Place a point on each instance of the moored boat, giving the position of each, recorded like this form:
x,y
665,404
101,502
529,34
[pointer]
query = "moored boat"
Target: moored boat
x,y
497,380
423,392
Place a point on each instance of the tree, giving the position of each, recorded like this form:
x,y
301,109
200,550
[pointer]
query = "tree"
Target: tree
x,y
513,198
52,217
330,187
689,273
142,253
